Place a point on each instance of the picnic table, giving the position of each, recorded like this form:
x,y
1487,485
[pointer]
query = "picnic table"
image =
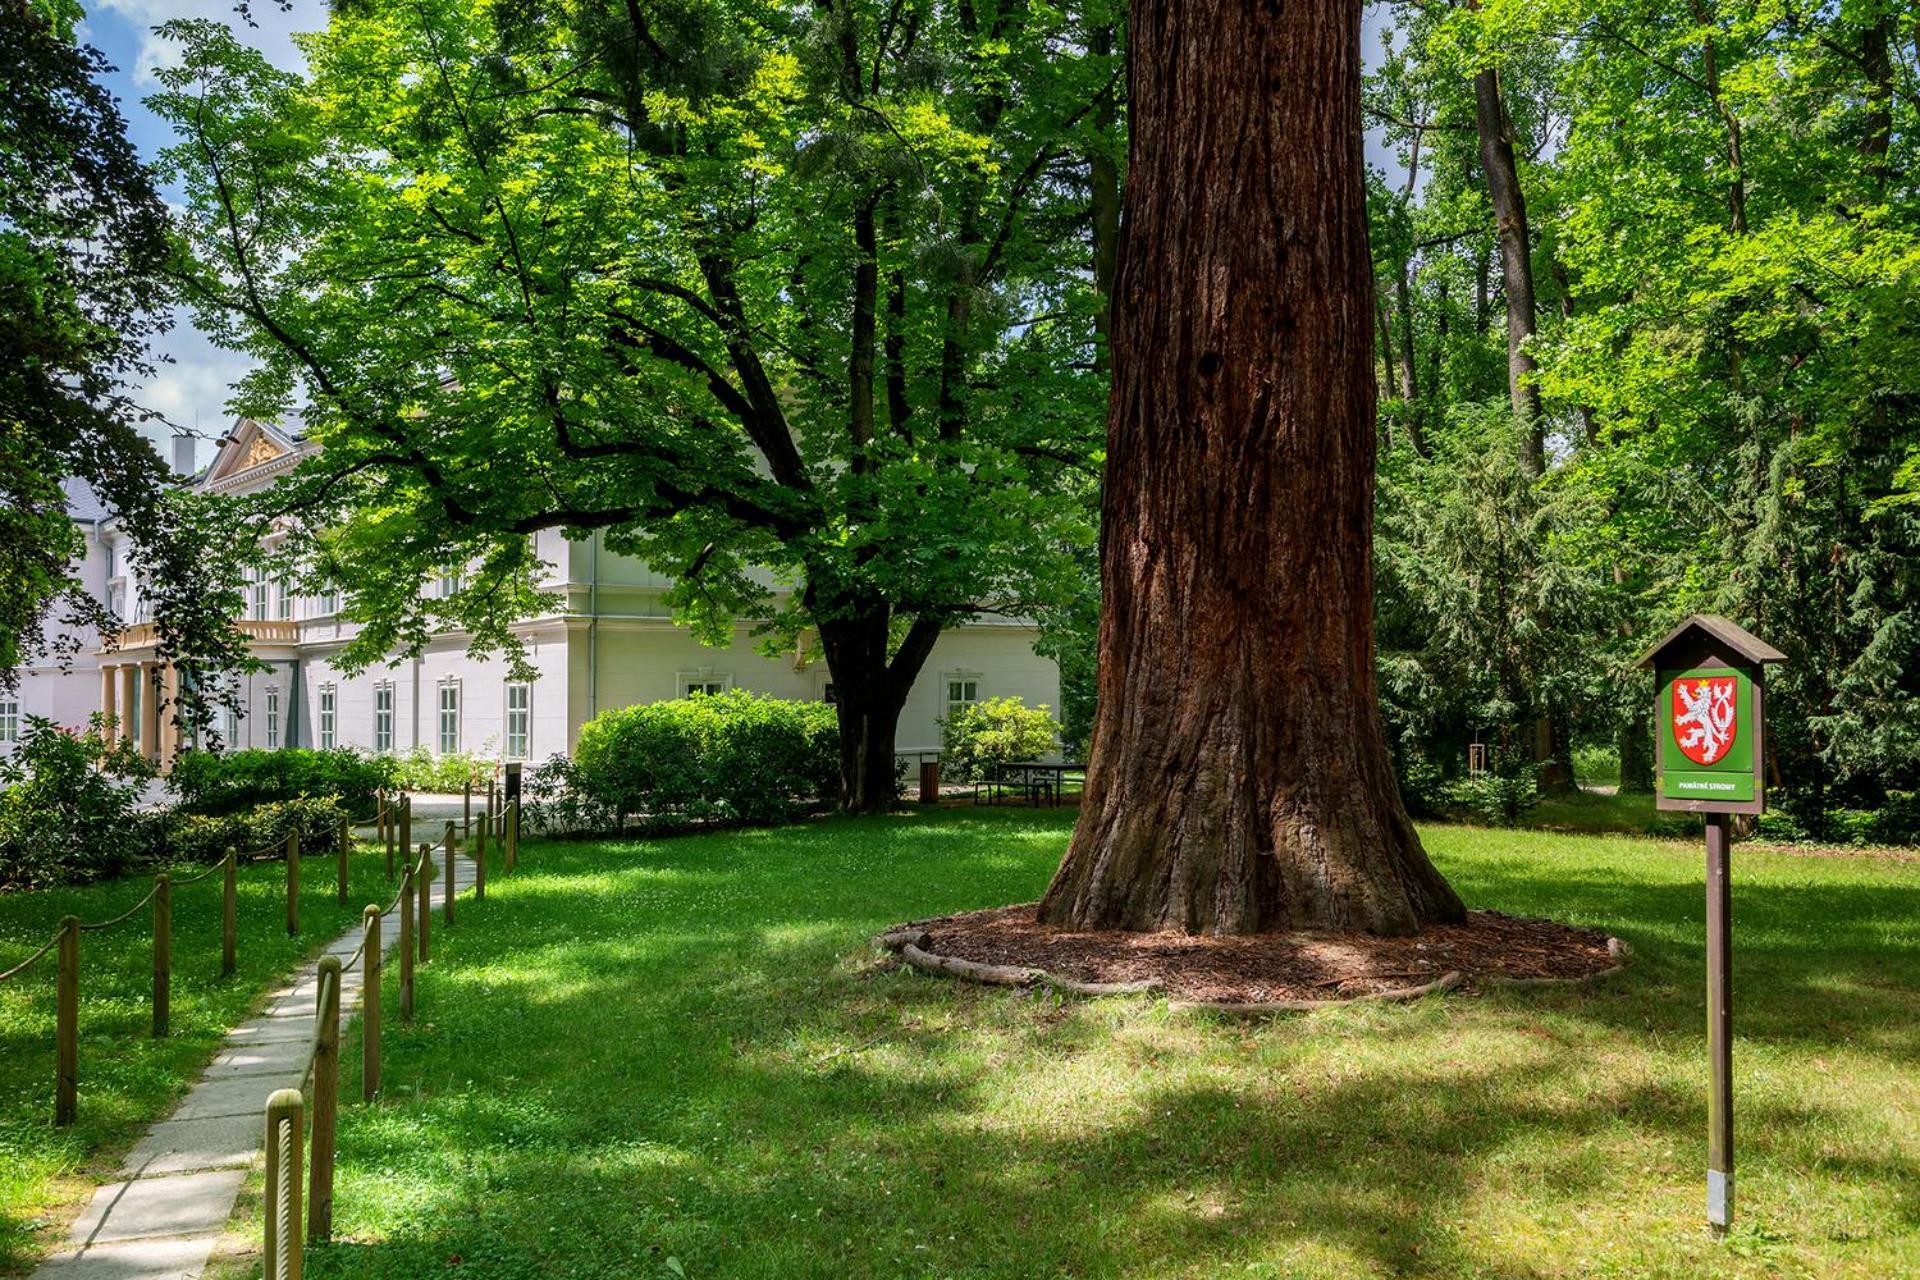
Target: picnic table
x,y
1037,780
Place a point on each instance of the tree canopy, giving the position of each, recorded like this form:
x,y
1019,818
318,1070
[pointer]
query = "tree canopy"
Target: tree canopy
x,y
742,286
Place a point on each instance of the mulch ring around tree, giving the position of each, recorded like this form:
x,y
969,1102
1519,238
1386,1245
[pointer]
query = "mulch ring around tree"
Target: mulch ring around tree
x,y
1259,974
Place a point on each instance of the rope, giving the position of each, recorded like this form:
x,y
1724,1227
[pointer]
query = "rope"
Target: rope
x,y
287,1190
181,884
124,915
28,963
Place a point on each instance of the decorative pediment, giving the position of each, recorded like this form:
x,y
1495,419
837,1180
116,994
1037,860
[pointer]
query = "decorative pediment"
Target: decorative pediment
x,y
249,445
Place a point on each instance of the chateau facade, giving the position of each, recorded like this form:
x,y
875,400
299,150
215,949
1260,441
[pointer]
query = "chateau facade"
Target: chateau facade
x,y
611,643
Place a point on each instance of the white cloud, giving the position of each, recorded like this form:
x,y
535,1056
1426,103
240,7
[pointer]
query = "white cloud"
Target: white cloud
x,y
272,34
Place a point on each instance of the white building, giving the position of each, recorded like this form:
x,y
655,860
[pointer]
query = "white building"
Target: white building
x,y
611,643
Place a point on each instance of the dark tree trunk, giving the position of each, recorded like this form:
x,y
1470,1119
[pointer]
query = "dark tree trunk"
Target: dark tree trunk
x,y
1516,262
1239,781
869,690
1636,755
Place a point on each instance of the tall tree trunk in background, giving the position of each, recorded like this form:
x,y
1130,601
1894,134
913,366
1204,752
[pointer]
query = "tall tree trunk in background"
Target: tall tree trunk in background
x,y
1239,780
1876,59
870,687
1104,176
1390,375
1495,128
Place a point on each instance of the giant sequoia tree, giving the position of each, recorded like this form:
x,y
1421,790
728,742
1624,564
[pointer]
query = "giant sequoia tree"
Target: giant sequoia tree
x,y
1239,780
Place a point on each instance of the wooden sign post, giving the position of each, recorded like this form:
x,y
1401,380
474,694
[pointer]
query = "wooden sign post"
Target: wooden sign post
x,y
1709,713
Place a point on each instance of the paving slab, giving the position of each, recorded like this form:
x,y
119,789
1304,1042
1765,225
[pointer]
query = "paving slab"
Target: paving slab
x,y
183,1204
280,1058
168,1259
234,1096
186,1146
264,1030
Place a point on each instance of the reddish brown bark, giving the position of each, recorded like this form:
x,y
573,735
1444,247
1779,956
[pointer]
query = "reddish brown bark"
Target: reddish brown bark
x,y
1239,781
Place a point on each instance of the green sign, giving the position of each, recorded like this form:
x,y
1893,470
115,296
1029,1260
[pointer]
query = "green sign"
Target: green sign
x,y
1707,735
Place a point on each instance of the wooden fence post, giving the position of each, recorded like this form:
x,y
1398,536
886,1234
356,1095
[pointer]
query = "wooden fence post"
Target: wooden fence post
x,y
446,908
66,1035
282,1243
162,955
424,917
406,944
229,891
370,1007
512,834
466,807
293,884
480,857
388,830
345,843
406,821
326,1102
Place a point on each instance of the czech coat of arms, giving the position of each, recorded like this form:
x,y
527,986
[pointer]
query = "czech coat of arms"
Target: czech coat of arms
x,y
1704,716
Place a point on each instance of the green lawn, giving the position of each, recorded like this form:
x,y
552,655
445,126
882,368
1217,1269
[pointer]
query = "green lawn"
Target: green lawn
x,y
127,1078
649,1059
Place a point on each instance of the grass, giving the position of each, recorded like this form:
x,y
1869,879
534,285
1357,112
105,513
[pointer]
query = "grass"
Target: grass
x,y
127,1078
680,1058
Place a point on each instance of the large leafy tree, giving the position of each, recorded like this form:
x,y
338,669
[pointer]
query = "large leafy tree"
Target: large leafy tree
x,y
83,240
791,302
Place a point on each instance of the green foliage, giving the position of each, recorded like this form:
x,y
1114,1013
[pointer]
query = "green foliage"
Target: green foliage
x,y
83,243
1725,203
995,731
1497,799
69,806
731,757
210,782
198,837
421,770
746,286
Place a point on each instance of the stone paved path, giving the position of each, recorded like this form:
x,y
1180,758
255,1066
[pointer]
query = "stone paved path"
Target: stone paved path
x,y
177,1185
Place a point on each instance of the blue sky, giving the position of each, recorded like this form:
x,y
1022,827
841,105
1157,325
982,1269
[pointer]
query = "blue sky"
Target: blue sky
x,y
192,390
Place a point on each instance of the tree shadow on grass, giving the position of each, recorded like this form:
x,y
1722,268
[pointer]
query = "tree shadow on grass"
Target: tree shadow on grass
x,y
701,1062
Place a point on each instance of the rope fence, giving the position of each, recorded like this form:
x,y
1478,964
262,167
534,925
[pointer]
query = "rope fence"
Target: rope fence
x,y
392,817
283,1250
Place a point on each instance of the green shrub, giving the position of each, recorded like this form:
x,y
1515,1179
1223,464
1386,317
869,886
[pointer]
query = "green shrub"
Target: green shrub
x,y
1498,798
421,770
69,811
554,802
195,837
734,757
235,781
997,731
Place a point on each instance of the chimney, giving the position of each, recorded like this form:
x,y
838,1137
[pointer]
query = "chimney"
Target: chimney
x,y
183,454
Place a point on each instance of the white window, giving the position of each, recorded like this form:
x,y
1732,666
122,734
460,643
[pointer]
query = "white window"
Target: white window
x,y
282,601
329,603
230,728
273,718
258,607
451,580
519,719
706,680
10,720
829,695
329,695
963,690
383,717
449,716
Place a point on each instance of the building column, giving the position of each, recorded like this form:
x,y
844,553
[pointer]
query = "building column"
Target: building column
x,y
108,728
129,725
168,705
149,711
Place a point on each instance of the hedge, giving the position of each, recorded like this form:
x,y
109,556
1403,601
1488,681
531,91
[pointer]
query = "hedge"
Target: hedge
x,y
730,757
234,781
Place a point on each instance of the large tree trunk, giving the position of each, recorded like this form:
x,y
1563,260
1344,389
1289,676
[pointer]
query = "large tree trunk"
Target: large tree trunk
x,y
1516,262
1239,781
870,688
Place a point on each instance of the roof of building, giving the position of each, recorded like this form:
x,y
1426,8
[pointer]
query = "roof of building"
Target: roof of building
x,y
82,502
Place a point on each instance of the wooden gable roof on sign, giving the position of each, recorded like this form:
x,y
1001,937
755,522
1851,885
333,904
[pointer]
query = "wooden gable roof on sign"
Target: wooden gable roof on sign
x,y
1709,637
